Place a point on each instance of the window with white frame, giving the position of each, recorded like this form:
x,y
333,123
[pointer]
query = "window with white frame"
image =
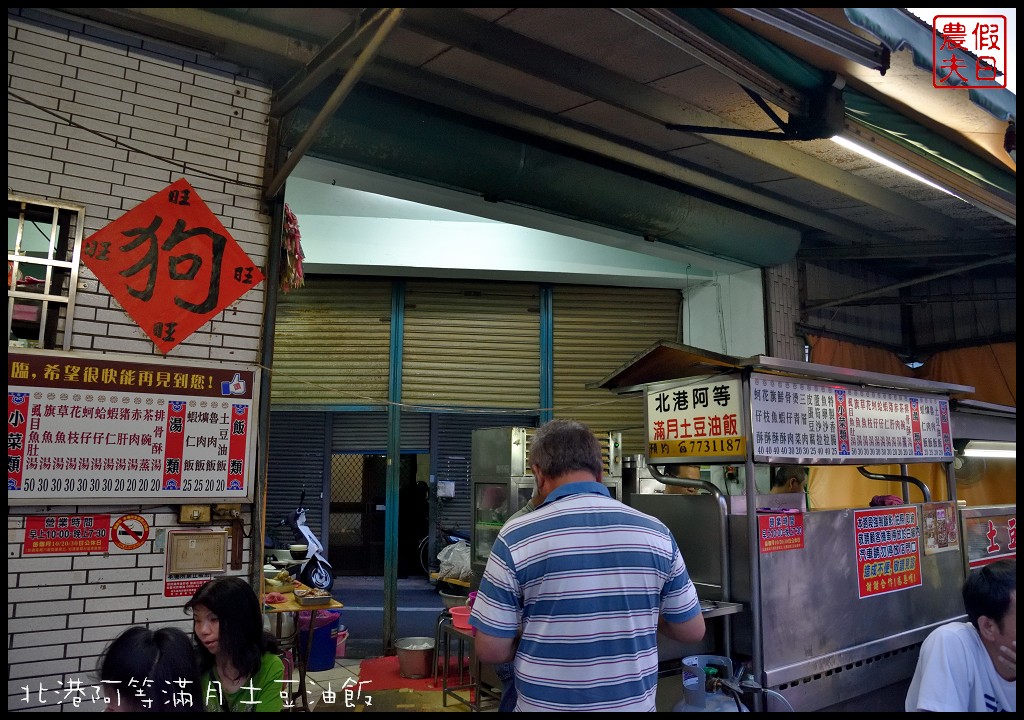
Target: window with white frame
x,y
43,245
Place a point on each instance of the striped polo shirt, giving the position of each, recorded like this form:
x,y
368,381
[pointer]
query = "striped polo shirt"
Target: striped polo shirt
x,y
586,578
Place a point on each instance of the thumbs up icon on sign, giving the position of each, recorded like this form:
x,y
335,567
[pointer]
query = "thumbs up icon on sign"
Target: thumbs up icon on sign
x,y
235,386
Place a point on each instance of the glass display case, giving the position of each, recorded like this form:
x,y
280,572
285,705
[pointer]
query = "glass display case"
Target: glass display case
x,y
503,482
493,503
522,489
490,511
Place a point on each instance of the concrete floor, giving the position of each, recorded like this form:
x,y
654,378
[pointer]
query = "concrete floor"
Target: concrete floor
x,y
345,674
418,607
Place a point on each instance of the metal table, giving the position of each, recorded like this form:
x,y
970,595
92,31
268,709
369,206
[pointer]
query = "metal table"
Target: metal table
x,y
478,694
298,699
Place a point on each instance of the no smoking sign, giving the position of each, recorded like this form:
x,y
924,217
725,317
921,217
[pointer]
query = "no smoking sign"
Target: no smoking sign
x,y
129,532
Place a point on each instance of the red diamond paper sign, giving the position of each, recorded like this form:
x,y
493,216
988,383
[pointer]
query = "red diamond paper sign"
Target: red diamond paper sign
x,y
171,264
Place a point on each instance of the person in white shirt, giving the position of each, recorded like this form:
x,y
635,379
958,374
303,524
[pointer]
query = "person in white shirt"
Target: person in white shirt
x,y
972,666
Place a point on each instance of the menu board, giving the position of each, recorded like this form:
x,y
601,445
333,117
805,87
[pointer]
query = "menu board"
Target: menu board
x,y
807,419
94,429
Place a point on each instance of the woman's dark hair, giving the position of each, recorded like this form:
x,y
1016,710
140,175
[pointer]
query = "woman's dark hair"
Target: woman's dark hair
x,y
152,671
240,619
987,591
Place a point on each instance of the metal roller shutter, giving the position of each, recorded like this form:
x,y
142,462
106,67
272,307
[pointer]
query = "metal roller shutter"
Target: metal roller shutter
x,y
471,344
367,432
298,441
331,342
596,330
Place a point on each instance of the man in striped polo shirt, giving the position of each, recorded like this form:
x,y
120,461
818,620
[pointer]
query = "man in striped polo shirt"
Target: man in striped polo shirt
x,y
575,592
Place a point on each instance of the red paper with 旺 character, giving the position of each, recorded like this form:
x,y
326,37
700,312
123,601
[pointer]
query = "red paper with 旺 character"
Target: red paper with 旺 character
x,y
171,264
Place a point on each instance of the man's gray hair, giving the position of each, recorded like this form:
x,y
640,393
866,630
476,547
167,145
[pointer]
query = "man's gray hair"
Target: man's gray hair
x,y
561,446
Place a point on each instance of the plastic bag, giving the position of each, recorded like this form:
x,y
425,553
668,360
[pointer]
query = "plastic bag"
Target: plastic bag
x,y
455,561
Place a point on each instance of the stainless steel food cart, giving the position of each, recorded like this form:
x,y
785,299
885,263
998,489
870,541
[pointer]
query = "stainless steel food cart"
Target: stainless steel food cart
x,y
835,603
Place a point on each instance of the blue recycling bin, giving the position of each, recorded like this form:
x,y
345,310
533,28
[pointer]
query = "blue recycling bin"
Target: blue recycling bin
x,y
325,639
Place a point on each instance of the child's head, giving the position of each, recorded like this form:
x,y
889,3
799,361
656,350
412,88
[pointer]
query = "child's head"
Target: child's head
x,y
145,670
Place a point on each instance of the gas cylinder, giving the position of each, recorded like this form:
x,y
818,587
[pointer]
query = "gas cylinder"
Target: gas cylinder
x,y
702,689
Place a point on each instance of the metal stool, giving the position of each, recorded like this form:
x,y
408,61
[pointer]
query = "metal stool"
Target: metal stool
x,y
442,619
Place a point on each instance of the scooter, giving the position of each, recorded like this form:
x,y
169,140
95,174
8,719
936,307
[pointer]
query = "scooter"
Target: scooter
x,y
316,570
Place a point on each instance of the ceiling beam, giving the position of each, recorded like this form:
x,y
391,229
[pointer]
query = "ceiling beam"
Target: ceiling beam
x,y
817,31
472,101
204,30
348,81
918,299
927,250
328,61
489,40
664,24
959,269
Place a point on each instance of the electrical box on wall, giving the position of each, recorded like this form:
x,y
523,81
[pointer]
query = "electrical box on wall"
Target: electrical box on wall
x,y
193,514
222,512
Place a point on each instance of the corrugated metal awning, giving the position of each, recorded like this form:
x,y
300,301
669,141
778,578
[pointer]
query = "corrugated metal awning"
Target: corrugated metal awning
x,y
666,361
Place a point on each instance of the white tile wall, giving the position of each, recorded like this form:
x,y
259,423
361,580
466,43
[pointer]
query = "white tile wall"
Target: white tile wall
x,y
783,303
105,120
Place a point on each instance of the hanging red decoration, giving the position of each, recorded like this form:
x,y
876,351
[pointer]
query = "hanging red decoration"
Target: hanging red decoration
x,y
291,251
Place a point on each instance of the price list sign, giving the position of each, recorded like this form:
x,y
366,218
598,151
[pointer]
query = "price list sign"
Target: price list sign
x,y
92,429
807,419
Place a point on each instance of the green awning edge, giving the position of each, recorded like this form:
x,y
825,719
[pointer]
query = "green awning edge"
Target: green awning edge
x,y
786,67
885,121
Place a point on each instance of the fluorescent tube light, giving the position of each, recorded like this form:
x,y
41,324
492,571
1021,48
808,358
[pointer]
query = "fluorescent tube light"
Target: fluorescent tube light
x,y
882,160
990,449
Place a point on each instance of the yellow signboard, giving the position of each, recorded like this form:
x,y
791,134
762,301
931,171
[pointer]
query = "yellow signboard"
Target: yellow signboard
x,y
701,448
695,419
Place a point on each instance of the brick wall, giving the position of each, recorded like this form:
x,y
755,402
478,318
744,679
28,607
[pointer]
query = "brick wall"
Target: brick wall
x,y
104,120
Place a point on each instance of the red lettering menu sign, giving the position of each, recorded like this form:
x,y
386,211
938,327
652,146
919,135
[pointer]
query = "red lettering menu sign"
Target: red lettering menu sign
x,y
780,531
887,543
171,264
92,429
66,534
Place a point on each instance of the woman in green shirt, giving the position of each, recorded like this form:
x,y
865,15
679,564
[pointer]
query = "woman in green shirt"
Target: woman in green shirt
x,y
241,670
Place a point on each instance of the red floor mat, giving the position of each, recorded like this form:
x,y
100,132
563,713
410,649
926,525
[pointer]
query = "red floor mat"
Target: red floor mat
x,y
384,673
